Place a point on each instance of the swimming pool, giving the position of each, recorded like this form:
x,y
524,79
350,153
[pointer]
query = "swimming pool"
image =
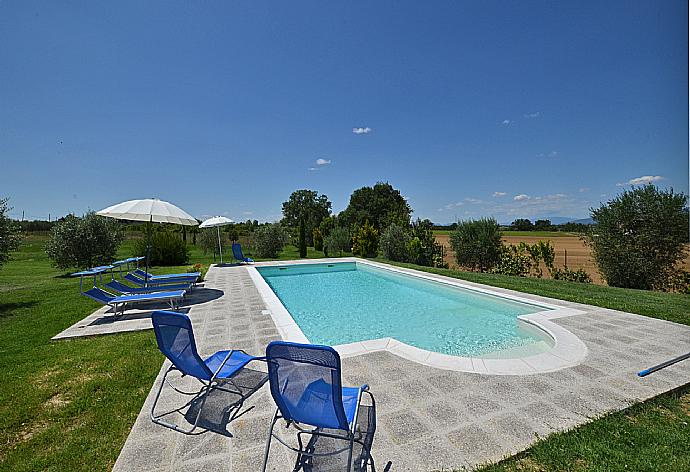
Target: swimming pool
x,y
346,302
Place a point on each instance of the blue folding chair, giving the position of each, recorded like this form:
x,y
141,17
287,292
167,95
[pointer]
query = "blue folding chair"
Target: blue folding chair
x,y
238,255
175,340
305,382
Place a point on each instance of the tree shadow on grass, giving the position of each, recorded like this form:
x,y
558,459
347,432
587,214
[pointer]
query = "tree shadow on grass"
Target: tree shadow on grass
x,y
8,309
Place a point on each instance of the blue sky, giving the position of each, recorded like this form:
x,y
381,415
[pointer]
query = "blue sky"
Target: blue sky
x,y
510,109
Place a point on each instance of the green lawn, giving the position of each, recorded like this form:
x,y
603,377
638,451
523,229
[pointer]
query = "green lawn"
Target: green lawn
x,y
653,436
69,405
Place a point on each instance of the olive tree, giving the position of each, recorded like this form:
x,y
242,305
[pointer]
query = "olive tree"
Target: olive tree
x,y
10,233
269,240
83,242
639,237
477,244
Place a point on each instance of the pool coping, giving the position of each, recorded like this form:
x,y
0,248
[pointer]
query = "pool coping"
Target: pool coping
x,y
568,349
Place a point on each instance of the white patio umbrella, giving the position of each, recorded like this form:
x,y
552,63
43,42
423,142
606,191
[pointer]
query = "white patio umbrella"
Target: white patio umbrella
x,y
150,210
217,222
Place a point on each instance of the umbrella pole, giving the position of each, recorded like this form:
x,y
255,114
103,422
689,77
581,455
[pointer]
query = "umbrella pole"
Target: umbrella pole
x,y
220,248
148,252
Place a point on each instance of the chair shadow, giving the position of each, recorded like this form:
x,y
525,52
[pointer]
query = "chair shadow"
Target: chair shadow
x,y
139,315
230,264
323,445
222,407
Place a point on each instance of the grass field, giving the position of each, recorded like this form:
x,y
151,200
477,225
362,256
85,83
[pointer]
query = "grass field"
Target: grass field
x,y
69,405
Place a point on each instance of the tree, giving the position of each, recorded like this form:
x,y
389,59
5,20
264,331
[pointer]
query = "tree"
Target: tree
x,y
269,240
84,242
305,210
542,225
477,244
337,241
381,205
365,241
639,237
393,243
423,231
10,233
521,224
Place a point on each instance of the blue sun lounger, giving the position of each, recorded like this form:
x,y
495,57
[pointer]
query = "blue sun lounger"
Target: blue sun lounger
x,y
140,282
118,302
175,339
126,289
305,382
187,276
238,255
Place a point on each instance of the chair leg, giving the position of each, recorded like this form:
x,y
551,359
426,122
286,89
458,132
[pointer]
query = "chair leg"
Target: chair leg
x,y
158,419
268,441
349,453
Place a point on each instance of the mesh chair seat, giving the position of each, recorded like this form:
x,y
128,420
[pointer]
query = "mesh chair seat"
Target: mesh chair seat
x,y
175,339
305,381
235,362
316,405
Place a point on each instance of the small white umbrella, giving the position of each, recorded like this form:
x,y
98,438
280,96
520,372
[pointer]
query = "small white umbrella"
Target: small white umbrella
x,y
151,210
217,222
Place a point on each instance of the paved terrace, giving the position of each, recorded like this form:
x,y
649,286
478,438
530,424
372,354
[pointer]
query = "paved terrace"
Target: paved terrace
x,y
428,418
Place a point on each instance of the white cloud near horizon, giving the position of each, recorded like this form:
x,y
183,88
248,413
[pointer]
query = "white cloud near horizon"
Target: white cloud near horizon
x,y
362,130
500,194
506,122
520,197
643,180
535,114
322,162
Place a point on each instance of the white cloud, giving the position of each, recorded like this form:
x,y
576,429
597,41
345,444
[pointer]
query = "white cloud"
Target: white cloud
x,y
521,197
360,130
645,179
553,154
247,213
535,114
506,122
313,169
450,206
472,200
322,162
500,194
584,189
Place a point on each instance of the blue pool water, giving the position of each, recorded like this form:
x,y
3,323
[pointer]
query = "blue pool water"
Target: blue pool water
x,y
346,302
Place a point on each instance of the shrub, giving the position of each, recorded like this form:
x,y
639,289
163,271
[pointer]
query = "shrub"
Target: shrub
x,y
337,241
570,275
477,244
269,240
198,267
679,282
640,237
393,243
423,230
83,242
10,233
318,239
365,241
513,260
167,249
